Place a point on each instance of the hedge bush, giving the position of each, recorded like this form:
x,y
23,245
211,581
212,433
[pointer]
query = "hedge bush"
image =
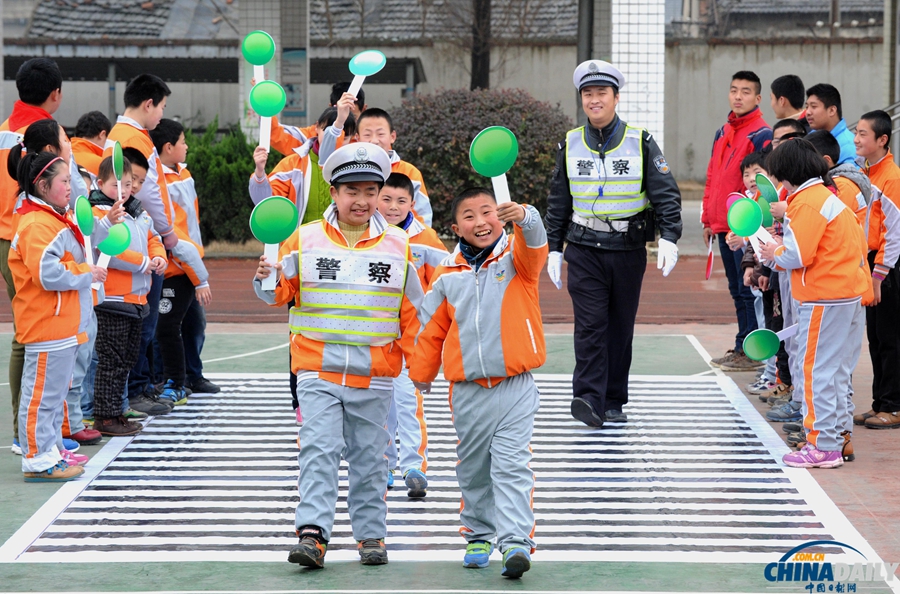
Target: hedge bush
x,y
221,168
434,133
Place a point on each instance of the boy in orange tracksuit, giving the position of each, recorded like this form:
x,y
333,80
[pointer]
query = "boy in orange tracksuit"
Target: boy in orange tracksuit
x,y
358,291
484,322
89,140
873,137
407,407
823,246
52,308
120,316
287,139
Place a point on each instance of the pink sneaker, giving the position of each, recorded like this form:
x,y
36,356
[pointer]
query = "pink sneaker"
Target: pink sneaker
x,y
810,457
299,417
73,459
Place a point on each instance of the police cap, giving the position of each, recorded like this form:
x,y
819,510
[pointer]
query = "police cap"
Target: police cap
x,y
359,161
597,73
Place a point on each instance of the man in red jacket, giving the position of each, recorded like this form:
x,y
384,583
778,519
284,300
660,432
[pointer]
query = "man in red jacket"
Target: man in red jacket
x,y
745,132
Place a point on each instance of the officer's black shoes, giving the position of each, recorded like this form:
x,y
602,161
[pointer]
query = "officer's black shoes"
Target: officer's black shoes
x,y
372,551
615,416
584,412
310,551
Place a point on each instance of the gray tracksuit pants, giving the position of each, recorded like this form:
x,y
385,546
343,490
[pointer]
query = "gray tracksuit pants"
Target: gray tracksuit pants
x,y
494,427
828,346
45,381
334,417
73,422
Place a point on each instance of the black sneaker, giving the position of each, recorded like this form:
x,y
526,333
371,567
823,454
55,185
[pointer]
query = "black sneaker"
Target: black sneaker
x,y
310,551
149,404
203,386
584,412
615,416
372,551
792,427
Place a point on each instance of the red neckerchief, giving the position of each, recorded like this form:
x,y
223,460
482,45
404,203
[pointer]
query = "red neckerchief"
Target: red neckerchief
x,y
29,206
24,115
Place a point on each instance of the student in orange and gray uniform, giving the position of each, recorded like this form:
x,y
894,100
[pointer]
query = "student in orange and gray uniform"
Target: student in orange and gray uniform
x,y
610,189
824,249
482,319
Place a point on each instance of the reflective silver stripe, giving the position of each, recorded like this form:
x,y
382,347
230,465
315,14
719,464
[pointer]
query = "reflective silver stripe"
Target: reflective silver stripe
x,y
619,176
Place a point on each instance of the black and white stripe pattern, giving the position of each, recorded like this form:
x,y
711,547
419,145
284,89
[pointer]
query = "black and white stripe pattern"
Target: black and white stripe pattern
x,y
693,476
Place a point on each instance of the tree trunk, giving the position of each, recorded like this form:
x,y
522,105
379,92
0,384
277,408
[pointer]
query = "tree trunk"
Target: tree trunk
x,y
481,44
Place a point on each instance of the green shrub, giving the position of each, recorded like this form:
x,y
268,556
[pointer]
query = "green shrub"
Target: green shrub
x,y
221,168
434,133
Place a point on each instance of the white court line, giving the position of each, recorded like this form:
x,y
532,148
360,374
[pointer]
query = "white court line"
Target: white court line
x,y
274,348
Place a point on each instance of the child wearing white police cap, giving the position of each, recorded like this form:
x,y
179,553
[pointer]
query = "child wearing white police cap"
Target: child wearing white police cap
x,y
357,291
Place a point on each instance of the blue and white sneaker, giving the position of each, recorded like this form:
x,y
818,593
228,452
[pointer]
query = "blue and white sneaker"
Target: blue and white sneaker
x,y
416,483
174,394
478,554
16,448
70,444
390,479
516,561
785,412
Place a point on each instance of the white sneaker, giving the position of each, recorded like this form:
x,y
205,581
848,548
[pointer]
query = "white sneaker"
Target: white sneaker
x,y
761,385
16,448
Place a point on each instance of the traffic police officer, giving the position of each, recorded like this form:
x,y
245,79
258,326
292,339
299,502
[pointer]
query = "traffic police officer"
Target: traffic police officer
x,y
611,189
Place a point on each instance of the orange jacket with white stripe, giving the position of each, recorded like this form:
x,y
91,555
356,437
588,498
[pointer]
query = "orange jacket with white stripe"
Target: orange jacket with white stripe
x,y
11,132
485,325
852,197
187,255
54,302
345,364
884,214
87,154
428,251
154,195
824,247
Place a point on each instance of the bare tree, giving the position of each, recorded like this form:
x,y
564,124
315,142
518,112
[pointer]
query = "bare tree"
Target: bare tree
x,y
481,45
363,15
425,6
323,7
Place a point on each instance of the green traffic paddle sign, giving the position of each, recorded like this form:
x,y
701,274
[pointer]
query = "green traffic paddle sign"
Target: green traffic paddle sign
x,y
117,241
267,98
274,219
118,162
367,63
761,344
258,48
744,217
84,216
494,151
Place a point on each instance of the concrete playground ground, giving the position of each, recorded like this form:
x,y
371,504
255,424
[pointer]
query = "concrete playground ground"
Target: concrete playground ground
x,y
682,321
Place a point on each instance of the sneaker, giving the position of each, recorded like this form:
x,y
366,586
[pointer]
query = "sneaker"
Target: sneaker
x,y
785,412
174,394
884,420
57,474
72,445
16,448
299,417
810,457
372,551
150,404
203,386
779,391
390,483
310,551
73,459
860,419
614,416
117,427
85,437
792,427
160,388
516,561
796,440
583,411
759,386
741,362
719,361
478,554
416,483
133,415
776,402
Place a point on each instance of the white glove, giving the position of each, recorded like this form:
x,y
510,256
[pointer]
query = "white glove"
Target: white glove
x,y
554,268
668,256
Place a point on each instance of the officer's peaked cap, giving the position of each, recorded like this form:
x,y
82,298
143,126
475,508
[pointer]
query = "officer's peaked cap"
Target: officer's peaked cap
x,y
358,161
597,73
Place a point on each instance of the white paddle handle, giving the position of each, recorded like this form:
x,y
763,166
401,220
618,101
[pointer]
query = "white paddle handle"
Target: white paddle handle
x,y
102,262
259,73
788,332
356,84
265,132
501,188
88,250
763,235
271,253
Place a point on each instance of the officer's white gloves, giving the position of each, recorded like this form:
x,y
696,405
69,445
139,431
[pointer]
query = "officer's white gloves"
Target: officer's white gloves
x,y
668,256
554,268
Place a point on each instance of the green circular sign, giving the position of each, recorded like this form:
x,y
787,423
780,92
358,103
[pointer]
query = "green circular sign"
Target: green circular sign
x,y
267,98
258,48
117,241
766,188
494,151
118,163
367,63
274,219
761,344
84,216
744,217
